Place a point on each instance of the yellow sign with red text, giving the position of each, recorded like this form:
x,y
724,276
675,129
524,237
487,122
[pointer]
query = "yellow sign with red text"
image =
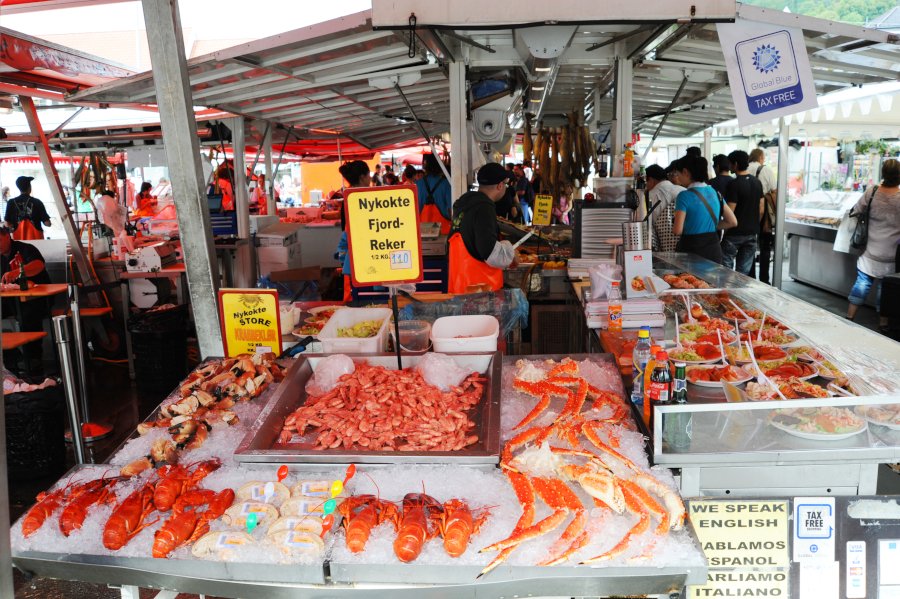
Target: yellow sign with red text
x,y
383,235
251,322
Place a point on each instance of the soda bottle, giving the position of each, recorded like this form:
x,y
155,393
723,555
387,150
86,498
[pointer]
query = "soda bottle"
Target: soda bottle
x,y
660,384
614,309
628,162
651,364
678,427
639,358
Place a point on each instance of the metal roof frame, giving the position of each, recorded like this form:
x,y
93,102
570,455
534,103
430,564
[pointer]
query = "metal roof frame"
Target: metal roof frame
x,y
317,77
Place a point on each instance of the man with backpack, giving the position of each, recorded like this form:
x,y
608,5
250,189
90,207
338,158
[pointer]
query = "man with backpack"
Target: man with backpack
x,y
26,215
767,179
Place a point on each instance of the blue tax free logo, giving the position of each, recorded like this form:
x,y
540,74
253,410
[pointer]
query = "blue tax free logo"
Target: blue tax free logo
x,y
768,68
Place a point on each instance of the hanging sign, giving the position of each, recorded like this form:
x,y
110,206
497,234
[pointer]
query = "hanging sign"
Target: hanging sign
x,y
251,321
383,235
543,210
768,70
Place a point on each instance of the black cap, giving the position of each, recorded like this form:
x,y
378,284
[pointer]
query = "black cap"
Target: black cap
x,y
492,174
21,181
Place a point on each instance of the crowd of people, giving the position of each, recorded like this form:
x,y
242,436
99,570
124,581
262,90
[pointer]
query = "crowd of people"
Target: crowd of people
x,y
728,218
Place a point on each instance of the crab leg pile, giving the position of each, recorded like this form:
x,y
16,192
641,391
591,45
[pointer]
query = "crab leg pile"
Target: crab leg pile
x,y
577,453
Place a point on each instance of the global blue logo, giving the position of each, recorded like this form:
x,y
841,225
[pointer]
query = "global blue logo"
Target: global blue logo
x,y
766,58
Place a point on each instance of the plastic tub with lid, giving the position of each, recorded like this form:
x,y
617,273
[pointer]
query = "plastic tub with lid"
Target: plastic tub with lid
x,y
465,334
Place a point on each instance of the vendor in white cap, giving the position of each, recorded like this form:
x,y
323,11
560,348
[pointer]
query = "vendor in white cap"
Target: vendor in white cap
x,y
26,215
477,257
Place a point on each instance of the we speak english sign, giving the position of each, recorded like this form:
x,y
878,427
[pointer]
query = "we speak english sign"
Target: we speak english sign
x,y
768,70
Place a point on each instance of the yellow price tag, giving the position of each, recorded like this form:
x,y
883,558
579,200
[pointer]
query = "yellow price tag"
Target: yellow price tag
x,y
383,235
543,210
250,320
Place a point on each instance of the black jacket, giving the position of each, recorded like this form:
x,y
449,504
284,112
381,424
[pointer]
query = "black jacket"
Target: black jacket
x,y
475,217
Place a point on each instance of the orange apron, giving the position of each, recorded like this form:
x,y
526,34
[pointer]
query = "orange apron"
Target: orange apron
x,y
466,270
26,230
431,214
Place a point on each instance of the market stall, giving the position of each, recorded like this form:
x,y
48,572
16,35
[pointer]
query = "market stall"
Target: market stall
x,y
284,482
741,443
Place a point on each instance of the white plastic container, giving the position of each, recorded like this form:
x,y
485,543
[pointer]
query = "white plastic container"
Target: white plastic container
x,y
465,334
347,317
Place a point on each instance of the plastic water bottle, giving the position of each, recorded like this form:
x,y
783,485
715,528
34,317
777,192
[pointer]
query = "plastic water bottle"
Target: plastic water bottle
x,y
639,358
614,309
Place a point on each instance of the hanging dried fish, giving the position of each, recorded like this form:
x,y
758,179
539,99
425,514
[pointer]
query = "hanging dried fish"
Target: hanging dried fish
x,y
554,164
527,145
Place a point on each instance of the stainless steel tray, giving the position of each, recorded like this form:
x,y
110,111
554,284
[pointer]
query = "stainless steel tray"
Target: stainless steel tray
x,y
539,581
261,444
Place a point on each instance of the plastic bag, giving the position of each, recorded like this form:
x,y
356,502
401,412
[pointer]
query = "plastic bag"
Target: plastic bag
x,y
602,277
327,373
509,306
441,370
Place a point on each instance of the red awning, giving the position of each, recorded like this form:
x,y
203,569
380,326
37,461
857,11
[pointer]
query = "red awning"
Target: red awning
x,y
32,62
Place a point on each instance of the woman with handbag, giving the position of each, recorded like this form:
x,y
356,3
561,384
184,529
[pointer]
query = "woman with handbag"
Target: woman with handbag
x,y
877,232
700,212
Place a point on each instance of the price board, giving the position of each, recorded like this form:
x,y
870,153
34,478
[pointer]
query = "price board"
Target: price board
x,y
383,235
250,321
543,210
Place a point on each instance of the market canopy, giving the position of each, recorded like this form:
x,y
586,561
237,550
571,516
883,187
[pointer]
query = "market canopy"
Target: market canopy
x,y
338,77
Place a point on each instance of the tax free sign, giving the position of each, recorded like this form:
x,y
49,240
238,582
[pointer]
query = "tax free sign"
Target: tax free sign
x,y
768,70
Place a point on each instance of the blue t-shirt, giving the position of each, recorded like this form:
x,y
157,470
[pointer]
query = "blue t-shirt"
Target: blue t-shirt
x,y
440,192
696,219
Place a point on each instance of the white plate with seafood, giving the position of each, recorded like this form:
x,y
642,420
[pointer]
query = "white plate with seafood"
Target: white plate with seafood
x,y
819,424
702,375
886,415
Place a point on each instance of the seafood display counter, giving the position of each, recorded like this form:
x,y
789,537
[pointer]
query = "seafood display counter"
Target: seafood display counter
x,y
574,509
814,411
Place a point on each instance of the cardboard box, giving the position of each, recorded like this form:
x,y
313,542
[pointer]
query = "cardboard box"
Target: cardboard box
x,y
638,266
279,234
261,223
286,254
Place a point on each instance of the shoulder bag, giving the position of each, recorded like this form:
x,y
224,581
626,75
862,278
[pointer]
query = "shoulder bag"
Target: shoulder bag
x,y
720,225
860,237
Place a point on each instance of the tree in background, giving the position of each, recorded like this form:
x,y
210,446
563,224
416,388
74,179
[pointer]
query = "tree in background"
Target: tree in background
x,y
857,12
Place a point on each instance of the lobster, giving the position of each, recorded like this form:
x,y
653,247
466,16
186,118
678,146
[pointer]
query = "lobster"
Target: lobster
x,y
128,518
92,493
47,503
178,479
187,525
456,524
361,514
419,510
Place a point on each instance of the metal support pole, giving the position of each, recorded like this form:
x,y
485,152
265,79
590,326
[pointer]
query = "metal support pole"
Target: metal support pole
x,y
78,338
784,135
270,182
179,127
67,373
56,189
459,180
707,145
241,190
622,129
287,140
664,118
6,569
259,148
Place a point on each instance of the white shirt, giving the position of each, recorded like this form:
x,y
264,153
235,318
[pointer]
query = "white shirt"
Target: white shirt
x,y
665,193
766,176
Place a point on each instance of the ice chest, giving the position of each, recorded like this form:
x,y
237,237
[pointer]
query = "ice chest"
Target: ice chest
x,y
347,317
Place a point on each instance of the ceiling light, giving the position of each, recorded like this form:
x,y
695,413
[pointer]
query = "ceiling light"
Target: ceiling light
x,y
536,100
537,89
542,69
